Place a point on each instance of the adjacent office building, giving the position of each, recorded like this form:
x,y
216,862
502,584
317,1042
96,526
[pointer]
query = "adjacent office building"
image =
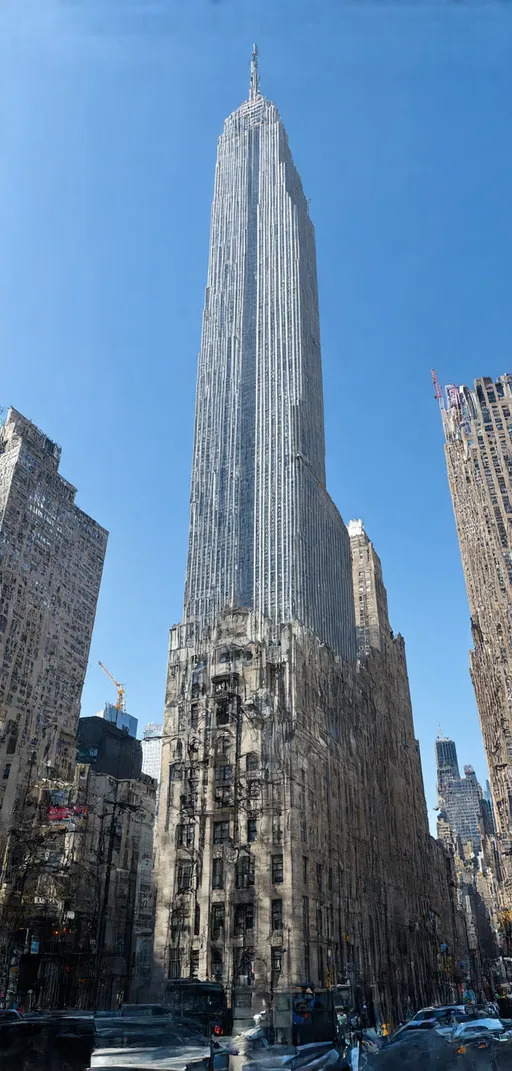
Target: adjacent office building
x,y
292,838
51,561
478,430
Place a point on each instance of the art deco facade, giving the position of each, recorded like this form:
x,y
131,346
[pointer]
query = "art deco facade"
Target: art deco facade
x,y
478,430
263,531
292,837
293,841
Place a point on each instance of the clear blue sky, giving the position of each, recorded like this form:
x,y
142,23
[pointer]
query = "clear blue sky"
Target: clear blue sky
x,y
400,118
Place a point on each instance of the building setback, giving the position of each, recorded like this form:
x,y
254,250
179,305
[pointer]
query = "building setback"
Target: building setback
x,y
292,837
51,561
478,431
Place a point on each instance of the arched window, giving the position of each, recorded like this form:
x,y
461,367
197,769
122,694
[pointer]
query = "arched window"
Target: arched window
x,y
251,762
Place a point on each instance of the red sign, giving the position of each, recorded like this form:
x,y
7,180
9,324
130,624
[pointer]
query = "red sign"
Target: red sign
x,y
63,814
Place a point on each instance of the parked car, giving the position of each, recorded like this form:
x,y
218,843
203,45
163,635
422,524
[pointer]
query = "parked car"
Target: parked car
x,y
429,1018
138,1043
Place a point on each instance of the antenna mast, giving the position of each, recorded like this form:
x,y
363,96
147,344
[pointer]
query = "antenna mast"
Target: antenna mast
x,y
254,85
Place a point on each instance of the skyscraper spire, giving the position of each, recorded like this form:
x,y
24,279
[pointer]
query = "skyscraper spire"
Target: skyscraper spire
x,y
254,85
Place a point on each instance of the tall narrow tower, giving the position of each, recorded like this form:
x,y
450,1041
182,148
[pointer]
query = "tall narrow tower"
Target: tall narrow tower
x,y
290,776
478,430
264,533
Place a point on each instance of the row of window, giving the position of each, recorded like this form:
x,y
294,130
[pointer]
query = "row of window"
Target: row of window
x,y
244,872
244,918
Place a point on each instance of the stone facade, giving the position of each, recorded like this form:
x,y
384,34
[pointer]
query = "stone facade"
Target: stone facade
x,y
478,430
51,561
293,841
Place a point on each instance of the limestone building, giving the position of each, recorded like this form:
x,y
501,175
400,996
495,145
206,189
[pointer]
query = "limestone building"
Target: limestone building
x,y
51,561
292,837
478,431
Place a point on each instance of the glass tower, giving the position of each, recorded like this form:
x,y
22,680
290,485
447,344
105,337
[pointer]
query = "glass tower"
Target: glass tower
x,y
264,532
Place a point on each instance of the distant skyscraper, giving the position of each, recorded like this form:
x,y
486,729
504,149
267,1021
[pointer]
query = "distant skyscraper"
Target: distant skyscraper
x,y
446,760
264,532
478,430
152,750
51,561
460,798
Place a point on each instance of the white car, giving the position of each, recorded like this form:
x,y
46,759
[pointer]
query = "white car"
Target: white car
x,y
464,1031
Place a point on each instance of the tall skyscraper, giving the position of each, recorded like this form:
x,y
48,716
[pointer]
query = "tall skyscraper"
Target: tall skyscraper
x,y
446,761
264,532
51,561
460,798
290,778
478,431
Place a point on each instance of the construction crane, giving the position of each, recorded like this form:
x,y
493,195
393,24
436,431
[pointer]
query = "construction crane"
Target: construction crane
x,y
120,705
437,388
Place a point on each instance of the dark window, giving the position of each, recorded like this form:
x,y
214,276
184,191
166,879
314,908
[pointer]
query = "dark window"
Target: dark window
x,y
7,770
251,762
194,715
319,876
222,774
11,745
184,876
174,963
277,914
223,797
197,920
277,869
251,830
307,968
305,917
319,926
243,966
218,916
244,874
305,869
277,959
218,874
220,832
244,918
217,964
277,832
194,963
222,714
186,835
321,965
330,879
223,745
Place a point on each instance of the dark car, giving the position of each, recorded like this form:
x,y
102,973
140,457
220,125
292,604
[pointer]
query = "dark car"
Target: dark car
x,y
138,1043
